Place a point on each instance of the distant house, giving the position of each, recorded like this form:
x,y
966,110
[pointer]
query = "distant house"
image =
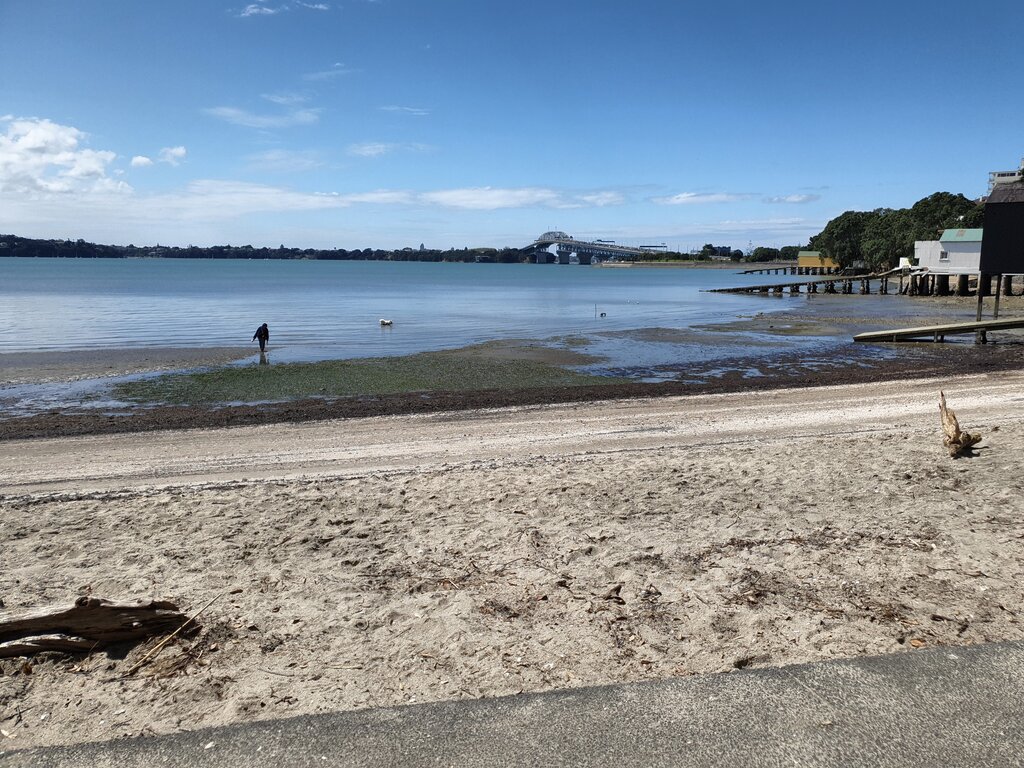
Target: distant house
x,y
957,252
1002,250
997,178
813,260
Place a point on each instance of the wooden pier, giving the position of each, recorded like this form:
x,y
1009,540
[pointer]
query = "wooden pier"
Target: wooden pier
x,y
773,268
789,268
939,332
912,283
834,284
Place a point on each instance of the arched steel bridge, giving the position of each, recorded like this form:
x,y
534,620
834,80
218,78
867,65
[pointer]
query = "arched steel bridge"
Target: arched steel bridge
x,y
586,251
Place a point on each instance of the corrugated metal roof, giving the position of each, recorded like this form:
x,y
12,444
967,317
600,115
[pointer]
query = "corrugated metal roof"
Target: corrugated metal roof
x,y
1006,193
961,236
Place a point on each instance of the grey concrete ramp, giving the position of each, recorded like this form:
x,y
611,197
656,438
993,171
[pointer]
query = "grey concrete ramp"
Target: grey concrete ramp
x,y
942,707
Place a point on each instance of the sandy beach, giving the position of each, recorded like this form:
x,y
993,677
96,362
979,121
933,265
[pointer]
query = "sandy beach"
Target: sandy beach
x,y
412,558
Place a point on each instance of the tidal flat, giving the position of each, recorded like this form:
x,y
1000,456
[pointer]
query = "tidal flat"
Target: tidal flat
x,y
481,367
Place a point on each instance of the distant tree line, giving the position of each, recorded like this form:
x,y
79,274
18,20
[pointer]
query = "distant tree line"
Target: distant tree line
x,y
710,252
11,245
878,239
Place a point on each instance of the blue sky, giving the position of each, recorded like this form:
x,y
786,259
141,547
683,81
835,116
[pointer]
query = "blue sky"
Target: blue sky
x,y
390,123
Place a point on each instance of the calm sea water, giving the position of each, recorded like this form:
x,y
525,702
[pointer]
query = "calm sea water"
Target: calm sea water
x,y
319,309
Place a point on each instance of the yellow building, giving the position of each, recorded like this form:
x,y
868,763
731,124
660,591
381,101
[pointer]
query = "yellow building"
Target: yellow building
x,y
813,263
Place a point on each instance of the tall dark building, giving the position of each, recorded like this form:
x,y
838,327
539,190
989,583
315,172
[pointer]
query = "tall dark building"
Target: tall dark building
x,y
1002,243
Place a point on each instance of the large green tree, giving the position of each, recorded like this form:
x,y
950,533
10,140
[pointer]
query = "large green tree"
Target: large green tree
x,y
764,253
879,238
841,238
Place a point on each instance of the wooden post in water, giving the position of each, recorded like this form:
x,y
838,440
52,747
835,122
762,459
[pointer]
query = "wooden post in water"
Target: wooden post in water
x,y
999,287
979,336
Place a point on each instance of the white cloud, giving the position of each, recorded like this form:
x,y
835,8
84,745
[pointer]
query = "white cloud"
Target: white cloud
x,y
378,148
795,199
42,156
220,200
95,206
405,110
736,232
285,99
217,199
172,155
285,160
732,225
491,198
783,230
602,199
260,10
223,199
337,70
247,119
169,155
379,197
699,198
371,149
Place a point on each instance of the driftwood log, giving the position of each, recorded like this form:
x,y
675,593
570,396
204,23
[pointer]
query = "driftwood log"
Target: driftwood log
x,y
956,440
92,622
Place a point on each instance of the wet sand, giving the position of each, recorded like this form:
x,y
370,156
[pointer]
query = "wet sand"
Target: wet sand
x,y
76,365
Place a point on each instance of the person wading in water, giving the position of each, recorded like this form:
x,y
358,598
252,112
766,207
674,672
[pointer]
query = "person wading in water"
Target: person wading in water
x,y
263,334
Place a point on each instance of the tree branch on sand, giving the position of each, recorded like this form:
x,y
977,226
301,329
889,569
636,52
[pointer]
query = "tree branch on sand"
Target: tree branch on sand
x,y
90,623
956,440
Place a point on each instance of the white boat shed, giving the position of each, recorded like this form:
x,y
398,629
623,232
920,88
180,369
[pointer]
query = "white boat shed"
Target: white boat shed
x,y
957,252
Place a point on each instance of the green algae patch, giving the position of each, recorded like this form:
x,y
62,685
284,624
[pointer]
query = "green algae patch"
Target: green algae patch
x,y
426,372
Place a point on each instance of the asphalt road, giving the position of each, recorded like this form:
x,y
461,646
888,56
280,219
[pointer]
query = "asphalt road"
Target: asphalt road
x,y
940,707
